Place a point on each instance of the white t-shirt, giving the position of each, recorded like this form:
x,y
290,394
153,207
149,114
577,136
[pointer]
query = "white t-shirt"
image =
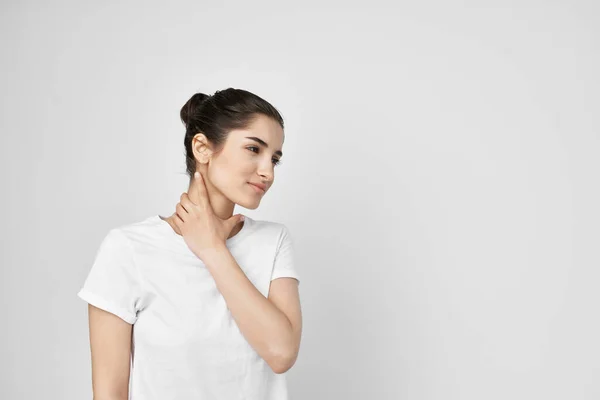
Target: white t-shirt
x,y
186,344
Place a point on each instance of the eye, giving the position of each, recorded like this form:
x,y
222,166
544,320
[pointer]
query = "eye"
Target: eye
x,y
275,160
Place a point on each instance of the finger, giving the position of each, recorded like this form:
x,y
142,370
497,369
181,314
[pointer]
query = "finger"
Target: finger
x,y
177,220
193,192
201,190
184,204
181,212
187,203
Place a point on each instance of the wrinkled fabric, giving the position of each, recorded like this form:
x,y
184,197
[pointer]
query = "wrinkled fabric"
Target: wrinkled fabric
x,y
186,344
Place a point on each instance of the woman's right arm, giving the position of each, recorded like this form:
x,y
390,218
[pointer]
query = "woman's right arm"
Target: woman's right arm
x,y
110,344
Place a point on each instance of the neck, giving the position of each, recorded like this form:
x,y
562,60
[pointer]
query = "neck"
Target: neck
x,y
221,206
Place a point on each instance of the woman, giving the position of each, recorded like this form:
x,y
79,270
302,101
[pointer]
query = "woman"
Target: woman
x,y
201,304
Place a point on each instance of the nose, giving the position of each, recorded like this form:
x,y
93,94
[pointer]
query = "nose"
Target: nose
x,y
266,174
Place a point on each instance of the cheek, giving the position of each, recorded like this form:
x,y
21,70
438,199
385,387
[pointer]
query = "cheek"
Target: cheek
x,y
228,174
240,165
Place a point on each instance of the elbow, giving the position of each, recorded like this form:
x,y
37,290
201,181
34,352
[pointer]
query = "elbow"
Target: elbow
x,y
283,362
281,367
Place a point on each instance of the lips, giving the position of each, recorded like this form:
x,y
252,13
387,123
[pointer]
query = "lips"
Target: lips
x,y
259,186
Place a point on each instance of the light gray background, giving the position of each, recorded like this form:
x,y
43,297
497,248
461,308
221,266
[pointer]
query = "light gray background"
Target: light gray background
x,y
440,181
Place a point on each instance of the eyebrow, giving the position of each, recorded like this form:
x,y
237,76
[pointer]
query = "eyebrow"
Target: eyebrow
x,y
259,140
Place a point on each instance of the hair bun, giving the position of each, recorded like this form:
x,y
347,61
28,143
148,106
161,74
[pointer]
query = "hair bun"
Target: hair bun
x,y
191,106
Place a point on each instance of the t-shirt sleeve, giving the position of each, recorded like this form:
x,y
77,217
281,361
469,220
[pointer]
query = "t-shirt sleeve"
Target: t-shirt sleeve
x,y
284,264
113,283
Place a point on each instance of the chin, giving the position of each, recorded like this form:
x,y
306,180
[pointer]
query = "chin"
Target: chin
x,y
249,203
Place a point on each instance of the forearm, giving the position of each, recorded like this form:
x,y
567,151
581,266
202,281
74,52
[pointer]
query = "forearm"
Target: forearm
x,y
265,327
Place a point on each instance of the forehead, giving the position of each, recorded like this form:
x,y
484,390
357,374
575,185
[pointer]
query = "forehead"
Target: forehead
x,y
262,127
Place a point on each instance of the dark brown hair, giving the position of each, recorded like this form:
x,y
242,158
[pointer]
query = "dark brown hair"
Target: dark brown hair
x,y
215,116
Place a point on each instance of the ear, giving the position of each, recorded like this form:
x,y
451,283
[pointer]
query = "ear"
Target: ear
x,y
201,148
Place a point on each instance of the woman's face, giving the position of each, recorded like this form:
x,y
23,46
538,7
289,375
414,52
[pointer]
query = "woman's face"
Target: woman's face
x,y
244,160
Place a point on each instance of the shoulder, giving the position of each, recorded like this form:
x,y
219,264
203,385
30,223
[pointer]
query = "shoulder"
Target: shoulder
x,y
272,228
273,232
137,231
